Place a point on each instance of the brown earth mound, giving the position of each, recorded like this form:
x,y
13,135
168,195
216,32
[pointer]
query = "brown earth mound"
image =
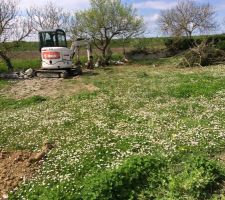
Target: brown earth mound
x,y
16,167
45,87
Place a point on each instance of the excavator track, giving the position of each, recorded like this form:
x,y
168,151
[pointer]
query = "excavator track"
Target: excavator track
x,y
58,73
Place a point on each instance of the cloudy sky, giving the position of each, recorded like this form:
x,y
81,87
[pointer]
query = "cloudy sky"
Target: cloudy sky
x,y
149,9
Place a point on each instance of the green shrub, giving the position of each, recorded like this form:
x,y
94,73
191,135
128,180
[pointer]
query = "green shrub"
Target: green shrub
x,y
179,44
194,177
127,181
203,55
140,46
181,177
215,39
221,45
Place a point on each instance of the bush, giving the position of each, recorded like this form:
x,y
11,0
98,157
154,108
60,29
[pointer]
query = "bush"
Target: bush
x,y
183,43
203,55
180,177
179,44
140,46
216,40
221,45
194,177
127,181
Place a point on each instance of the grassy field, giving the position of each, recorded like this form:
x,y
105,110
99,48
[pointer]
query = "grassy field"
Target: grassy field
x,y
146,133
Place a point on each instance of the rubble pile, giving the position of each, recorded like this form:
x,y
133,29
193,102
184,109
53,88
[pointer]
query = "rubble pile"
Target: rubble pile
x,y
29,73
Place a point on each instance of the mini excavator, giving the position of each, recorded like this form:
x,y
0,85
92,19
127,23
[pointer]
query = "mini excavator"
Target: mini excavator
x,y
57,58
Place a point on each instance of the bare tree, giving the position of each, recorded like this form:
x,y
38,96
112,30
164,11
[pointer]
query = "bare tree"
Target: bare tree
x,y
13,29
49,16
186,18
105,20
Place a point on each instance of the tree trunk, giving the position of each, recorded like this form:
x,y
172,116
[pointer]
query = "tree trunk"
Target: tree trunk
x,y
103,62
105,55
124,49
7,61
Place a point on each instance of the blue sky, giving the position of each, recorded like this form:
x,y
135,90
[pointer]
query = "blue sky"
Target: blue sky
x,y
149,9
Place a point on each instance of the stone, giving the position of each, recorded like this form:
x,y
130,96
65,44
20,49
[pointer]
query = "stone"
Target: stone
x,y
5,197
3,155
119,63
125,60
29,72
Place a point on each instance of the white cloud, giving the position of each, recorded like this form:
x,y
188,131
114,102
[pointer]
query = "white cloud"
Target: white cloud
x,y
149,19
67,4
151,4
151,25
220,7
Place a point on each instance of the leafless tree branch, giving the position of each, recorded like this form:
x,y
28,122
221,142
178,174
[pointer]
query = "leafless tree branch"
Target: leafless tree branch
x,y
186,18
13,27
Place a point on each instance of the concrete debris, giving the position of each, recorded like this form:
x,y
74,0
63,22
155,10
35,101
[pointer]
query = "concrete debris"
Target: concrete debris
x,y
29,73
98,63
116,62
125,60
5,197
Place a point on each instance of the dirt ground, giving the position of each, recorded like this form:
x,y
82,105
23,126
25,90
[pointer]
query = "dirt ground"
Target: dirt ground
x,y
48,87
18,166
15,167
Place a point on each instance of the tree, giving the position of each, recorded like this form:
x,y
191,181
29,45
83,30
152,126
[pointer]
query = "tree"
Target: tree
x,y
13,29
186,18
49,16
105,20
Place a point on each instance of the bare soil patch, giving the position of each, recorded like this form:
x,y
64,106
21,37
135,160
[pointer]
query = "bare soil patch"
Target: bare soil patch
x,y
48,87
15,167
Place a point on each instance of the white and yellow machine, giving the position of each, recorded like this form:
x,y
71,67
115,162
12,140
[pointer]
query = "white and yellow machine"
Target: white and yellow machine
x,y
56,57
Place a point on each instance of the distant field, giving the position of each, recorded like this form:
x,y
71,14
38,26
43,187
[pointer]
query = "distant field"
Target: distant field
x,y
156,42
34,46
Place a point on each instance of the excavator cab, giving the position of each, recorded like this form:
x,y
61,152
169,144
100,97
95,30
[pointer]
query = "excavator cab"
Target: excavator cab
x,y
52,38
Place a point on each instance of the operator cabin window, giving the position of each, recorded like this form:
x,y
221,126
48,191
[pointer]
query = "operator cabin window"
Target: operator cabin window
x,y
49,39
62,40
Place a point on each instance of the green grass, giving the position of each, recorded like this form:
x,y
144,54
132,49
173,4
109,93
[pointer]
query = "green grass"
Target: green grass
x,y
173,61
27,46
6,103
138,135
195,86
22,64
3,83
